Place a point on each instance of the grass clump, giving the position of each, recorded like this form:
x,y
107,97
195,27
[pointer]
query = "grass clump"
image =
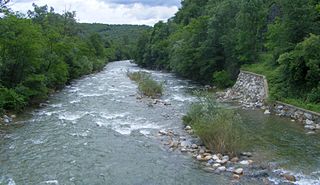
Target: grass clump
x,y
219,128
146,85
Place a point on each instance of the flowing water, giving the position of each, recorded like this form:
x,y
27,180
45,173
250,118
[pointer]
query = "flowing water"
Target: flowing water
x,y
96,131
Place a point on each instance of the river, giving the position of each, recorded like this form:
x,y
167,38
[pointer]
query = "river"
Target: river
x,y
96,131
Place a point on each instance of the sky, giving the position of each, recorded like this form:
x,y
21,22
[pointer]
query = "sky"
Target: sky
x,y
147,12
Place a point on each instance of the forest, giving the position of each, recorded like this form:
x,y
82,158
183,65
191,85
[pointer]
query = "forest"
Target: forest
x,y
209,41
43,51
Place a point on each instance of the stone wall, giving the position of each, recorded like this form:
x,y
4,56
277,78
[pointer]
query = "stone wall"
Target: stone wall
x,y
310,119
251,91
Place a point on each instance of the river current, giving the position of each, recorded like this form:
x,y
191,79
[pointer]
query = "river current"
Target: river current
x,y
95,131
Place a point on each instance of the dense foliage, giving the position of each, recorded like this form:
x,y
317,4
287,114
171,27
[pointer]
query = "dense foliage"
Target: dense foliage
x,y
43,51
122,38
210,40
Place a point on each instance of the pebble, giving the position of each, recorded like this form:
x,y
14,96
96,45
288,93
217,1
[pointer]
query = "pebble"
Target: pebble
x,y
235,159
194,146
309,122
216,165
235,176
188,127
163,132
201,151
207,158
245,162
221,168
267,112
185,144
310,127
199,157
230,169
184,150
225,158
215,157
238,171
248,154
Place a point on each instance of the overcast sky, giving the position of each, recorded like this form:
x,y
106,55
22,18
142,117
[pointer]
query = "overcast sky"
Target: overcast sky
x,y
109,11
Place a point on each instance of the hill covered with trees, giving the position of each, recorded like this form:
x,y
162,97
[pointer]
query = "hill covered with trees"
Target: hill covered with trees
x,y
42,51
122,37
210,40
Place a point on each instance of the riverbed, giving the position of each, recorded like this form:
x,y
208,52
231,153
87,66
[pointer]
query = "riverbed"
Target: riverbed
x,y
96,131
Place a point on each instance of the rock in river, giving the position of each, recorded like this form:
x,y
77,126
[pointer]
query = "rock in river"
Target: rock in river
x,y
238,171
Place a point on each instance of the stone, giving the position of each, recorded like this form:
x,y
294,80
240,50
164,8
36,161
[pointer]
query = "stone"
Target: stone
x,y
208,157
184,150
215,157
199,157
194,146
163,132
216,165
235,176
280,107
289,177
6,120
308,116
267,112
317,126
185,144
311,132
235,159
247,154
221,168
201,151
211,161
309,122
244,162
238,171
225,158
310,127
13,116
223,161
188,127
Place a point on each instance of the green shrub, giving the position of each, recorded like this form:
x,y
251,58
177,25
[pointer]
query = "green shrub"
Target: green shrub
x,y
222,79
150,88
146,85
138,76
219,128
10,100
33,88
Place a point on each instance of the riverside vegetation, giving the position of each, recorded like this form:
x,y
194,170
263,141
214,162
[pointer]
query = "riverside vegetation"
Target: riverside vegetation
x,y
209,41
146,85
219,128
42,51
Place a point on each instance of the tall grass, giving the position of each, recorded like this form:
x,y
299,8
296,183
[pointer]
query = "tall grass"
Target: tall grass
x,y
219,128
146,85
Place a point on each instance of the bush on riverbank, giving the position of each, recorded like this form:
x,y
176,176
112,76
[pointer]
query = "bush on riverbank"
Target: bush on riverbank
x,y
146,85
219,128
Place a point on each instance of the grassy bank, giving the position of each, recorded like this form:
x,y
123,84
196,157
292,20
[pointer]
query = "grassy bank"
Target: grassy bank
x,y
146,85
